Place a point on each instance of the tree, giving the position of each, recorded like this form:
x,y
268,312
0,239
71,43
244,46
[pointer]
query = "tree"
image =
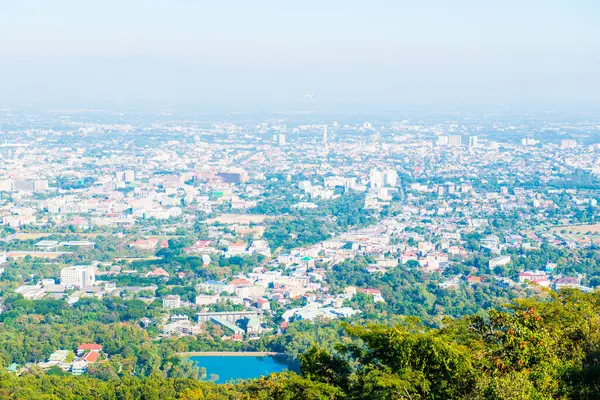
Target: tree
x,y
289,386
319,365
54,370
103,371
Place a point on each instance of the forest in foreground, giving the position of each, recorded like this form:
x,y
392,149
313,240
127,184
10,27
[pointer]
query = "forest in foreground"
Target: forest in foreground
x,y
534,349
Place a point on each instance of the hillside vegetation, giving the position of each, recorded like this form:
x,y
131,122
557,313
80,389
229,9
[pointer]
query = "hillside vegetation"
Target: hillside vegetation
x,y
531,350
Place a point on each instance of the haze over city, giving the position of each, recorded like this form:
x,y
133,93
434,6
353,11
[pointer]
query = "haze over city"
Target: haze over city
x,y
240,54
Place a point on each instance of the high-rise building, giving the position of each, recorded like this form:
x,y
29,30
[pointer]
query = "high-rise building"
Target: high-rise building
x,y
325,136
127,176
6,185
38,185
529,142
454,140
379,178
281,139
205,174
568,144
473,141
234,175
390,178
78,276
41,185
23,186
442,140
376,178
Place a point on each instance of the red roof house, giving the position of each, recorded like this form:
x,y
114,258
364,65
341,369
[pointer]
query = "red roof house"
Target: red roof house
x,y
90,347
91,357
158,272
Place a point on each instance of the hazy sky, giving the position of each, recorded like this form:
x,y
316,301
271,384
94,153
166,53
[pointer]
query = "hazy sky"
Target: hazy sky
x,y
417,52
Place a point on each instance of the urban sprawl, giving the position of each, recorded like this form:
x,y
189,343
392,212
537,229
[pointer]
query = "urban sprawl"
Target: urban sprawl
x,y
235,232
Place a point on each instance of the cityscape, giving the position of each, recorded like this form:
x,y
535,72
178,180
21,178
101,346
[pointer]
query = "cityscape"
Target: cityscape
x,y
337,200
232,232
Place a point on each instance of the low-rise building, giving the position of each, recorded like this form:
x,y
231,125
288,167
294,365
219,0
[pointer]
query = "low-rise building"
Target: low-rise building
x,y
206,299
538,277
499,261
171,301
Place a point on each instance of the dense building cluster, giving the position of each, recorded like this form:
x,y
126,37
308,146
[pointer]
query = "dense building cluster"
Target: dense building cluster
x,y
238,229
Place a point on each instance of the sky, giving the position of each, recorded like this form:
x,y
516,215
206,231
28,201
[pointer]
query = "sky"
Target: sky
x,y
84,53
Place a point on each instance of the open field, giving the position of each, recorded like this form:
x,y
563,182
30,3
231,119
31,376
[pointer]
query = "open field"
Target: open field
x,y
230,219
38,235
36,254
581,229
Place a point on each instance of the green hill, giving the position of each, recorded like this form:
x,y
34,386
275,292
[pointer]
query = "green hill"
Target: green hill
x,y
533,350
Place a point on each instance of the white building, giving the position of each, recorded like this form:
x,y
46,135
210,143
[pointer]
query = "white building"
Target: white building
x,y
537,277
454,140
390,178
30,185
79,367
379,178
281,139
206,299
236,249
376,178
125,176
260,247
473,141
31,292
78,276
249,291
568,144
529,142
499,261
5,185
172,301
